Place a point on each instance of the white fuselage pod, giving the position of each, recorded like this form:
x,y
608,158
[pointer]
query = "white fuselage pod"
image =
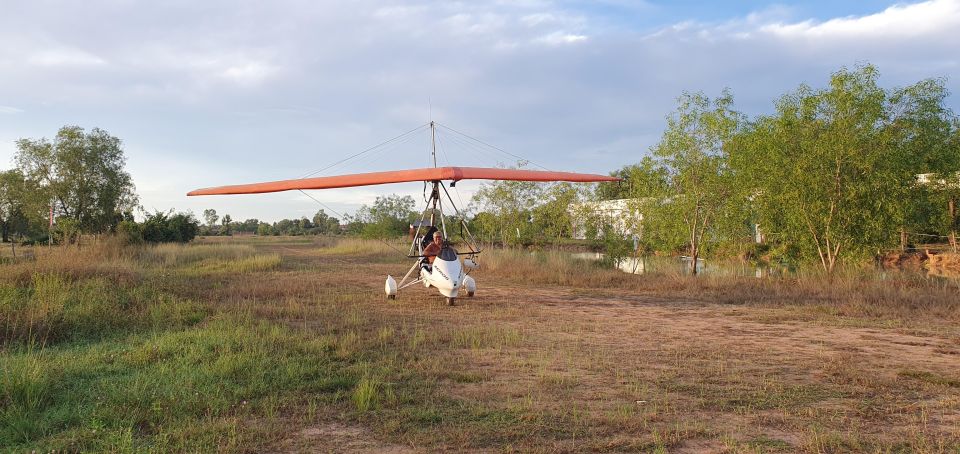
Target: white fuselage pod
x,y
446,276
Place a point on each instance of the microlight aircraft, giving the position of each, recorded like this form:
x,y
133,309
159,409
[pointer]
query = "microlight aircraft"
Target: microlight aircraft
x,y
449,272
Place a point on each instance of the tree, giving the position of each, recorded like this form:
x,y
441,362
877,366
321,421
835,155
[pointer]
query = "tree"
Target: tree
x,y
82,174
210,216
834,169
692,156
388,216
325,223
553,217
161,227
12,193
510,205
942,184
264,229
226,230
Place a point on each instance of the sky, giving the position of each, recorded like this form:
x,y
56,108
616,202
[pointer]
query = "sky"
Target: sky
x,y
223,92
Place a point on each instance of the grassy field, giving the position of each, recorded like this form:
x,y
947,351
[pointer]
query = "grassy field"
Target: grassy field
x,y
287,344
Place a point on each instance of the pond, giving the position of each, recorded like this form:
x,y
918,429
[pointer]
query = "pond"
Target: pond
x,y
733,268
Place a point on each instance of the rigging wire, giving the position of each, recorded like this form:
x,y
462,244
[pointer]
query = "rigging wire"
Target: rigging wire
x,y
496,159
343,217
375,156
491,146
452,140
443,150
365,151
470,146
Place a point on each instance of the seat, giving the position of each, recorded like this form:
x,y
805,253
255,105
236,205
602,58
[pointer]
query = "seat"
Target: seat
x,y
427,237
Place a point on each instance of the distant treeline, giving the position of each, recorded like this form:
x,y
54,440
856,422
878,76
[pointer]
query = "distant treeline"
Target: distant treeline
x,y
321,224
834,174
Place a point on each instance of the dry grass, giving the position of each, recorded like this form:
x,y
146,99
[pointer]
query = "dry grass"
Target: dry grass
x,y
945,261
851,293
554,354
173,254
358,246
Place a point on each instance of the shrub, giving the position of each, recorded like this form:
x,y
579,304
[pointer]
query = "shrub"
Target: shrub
x,y
162,227
130,232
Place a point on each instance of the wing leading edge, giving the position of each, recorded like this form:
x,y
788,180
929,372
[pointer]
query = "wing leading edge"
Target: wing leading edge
x,y
403,176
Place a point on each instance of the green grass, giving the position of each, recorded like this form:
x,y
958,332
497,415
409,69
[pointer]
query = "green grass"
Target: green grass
x,y
52,308
158,390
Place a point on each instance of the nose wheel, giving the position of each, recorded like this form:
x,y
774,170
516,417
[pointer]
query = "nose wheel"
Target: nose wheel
x,y
451,301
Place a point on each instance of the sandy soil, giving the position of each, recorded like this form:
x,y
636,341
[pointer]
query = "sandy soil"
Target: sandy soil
x,y
636,370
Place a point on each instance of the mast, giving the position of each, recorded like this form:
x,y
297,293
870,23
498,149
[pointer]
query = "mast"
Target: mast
x,y
433,141
436,184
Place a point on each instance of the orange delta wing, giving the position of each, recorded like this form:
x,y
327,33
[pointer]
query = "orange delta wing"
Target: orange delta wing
x,y
402,176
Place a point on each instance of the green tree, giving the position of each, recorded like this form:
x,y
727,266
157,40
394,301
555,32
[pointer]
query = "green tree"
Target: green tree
x,y
264,229
554,217
941,185
834,170
210,217
82,174
388,216
325,223
510,205
692,159
13,190
646,186
227,226
161,227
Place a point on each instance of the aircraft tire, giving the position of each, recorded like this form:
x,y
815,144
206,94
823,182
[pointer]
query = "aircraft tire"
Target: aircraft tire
x,y
391,297
470,294
451,301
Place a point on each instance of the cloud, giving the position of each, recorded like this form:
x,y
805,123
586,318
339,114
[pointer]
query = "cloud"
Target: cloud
x,y
912,20
9,110
64,58
557,38
221,92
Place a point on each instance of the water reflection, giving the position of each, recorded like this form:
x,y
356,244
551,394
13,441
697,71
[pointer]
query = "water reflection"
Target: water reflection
x,y
681,265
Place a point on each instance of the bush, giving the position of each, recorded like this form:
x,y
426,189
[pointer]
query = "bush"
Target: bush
x,y
162,227
130,232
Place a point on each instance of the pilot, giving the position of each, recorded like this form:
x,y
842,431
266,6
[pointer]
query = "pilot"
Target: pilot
x,y
434,247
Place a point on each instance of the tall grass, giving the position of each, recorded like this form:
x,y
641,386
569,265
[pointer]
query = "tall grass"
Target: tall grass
x,y
105,258
173,255
853,292
53,308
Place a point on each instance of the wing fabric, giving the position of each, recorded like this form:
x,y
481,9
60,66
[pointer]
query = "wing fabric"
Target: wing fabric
x,y
402,176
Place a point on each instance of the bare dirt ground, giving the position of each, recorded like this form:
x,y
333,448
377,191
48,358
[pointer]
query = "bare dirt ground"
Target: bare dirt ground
x,y
573,369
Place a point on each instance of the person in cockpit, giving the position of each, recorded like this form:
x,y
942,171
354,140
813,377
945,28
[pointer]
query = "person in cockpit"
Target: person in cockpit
x,y
433,249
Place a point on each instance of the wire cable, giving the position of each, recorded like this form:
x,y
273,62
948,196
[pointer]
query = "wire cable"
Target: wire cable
x,y
491,146
344,217
365,151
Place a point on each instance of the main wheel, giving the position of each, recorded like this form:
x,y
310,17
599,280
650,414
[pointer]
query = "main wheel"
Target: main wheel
x,y
451,301
470,294
391,297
